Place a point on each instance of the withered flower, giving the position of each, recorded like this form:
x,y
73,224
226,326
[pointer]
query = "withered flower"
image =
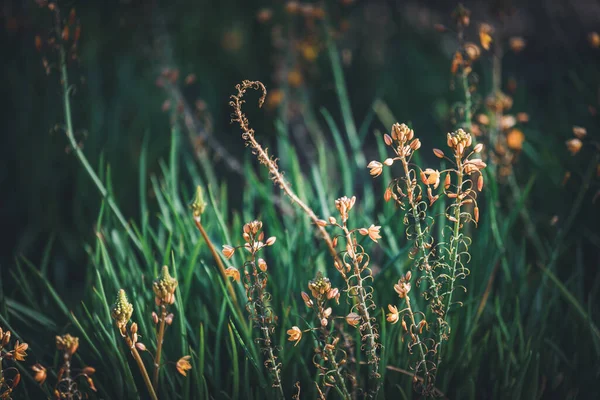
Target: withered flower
x,y
232,272
40,373
353,319
295,335
183,365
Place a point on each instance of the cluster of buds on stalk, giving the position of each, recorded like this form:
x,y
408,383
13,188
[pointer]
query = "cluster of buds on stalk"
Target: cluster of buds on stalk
x,y
329,359
253,236
403,142
255,284
66,386
443,263
463,192
353,265
164,288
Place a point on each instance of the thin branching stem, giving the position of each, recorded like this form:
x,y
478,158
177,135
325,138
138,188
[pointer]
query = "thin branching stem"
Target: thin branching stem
x,y
454,252
142,367
366,323
220,264
159,344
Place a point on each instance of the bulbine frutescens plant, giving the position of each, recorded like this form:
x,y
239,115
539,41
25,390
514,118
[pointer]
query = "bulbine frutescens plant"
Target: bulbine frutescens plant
x,y
329,358
352,263
442,264
255,283
164,296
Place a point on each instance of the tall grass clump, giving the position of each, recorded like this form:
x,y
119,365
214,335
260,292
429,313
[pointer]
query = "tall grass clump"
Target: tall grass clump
x,y
419,276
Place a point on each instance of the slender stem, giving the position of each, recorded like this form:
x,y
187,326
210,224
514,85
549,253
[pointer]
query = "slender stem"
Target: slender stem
x,y
419,240
363,310
142,368
219,262
454,251
340,381
423,353
159,344
339,378
260,311
70,135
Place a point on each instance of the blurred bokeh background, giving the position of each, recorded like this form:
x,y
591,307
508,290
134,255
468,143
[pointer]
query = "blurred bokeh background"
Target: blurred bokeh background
x,y
389,49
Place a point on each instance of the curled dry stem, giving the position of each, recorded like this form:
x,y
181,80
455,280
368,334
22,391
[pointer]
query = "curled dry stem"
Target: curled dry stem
x,y
271,163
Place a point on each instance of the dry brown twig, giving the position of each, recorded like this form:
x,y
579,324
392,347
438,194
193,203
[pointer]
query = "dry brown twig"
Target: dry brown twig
x,y
271,163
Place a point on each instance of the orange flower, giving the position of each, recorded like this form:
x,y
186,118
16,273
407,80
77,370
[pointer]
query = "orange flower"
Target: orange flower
x,y
19,351
183,365
485,37
393,316
403,285
295,335
345,204
431,177
375,168
372,231
232,272
228,251
515,139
